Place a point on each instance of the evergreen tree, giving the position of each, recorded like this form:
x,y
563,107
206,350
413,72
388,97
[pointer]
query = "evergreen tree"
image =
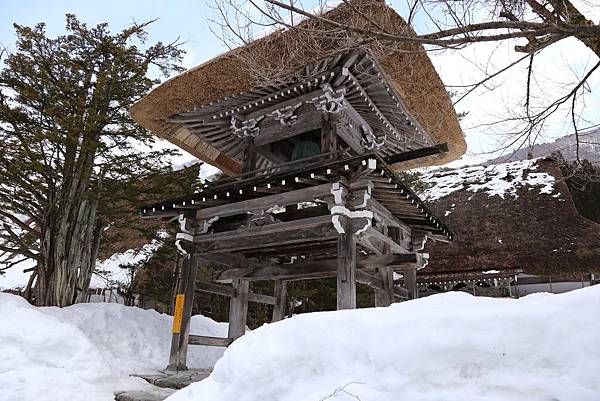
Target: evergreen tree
x,y
70,148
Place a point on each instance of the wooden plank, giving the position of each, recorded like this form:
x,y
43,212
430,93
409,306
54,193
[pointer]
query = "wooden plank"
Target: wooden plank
x,y
181,329
307,121
346,269
385,296
315,269
238,309
298,231
368,279
265,202
417,153
261,298
227,291
380,243
410,282
218,289
280,307
210,341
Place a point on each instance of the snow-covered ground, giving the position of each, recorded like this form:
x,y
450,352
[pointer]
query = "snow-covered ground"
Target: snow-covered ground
x,y
87,351
451,346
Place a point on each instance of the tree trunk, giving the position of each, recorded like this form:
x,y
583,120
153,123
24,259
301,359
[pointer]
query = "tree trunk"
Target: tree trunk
x,y
69,252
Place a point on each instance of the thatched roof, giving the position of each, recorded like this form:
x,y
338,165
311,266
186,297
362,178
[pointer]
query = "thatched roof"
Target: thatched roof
x,y
407,66
517,215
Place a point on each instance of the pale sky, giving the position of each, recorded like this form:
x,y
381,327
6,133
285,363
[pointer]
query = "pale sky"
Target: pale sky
x,y
554,69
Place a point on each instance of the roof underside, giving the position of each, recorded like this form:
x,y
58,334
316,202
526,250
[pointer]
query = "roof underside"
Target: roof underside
x,y
388,189
356,73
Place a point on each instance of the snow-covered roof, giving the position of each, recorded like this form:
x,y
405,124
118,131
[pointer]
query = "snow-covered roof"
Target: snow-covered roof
x,y
517,215
501,179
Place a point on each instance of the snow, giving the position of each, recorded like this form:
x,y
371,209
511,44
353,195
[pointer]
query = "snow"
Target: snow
x,y
108,273
500,179
445,347
86,351
111,271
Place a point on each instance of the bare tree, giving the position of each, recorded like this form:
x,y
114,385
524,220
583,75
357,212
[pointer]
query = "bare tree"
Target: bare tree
x,y
533,25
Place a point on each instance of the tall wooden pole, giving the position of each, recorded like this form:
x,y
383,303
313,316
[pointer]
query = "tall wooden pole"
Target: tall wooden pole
x,y
410,282
182,312
346,272
385,296
238,309
279,309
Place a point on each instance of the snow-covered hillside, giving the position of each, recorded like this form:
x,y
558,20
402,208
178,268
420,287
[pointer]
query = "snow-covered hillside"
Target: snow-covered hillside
x,y
87,351
444,347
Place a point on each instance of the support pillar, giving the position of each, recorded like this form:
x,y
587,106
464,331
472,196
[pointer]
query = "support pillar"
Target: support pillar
x,y
385,296
346,272
410,282
238,309
279,309
182,312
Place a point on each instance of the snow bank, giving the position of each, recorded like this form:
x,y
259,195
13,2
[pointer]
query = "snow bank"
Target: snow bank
x,y
500,179
86,351
450,347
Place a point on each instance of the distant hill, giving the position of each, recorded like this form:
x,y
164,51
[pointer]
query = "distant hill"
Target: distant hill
x,y
589,148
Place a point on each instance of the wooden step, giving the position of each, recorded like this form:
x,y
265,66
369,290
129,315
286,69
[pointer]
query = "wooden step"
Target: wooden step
x,y
142,396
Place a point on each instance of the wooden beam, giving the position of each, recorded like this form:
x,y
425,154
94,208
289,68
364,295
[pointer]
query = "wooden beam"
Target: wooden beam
x,y
368,279
227,291
210,341
308,120
265,202
184,297
410,282
379,243
416,154
280,307
310,229
316,269
385,295
346,269
238,309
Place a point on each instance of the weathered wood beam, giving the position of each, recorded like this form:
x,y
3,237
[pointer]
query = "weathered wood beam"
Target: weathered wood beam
x,y
238,309
371,280
265,202
210,341
280,307
417,153
292,232
410,282
182,313
307,121
346,269
227,291
316,269
379,243
384,296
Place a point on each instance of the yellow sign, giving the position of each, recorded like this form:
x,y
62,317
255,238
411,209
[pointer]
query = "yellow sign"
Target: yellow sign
x,y
178,313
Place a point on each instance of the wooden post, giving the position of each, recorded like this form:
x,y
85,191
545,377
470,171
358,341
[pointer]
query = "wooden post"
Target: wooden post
x,y
385,296
250,156
329,139
279,309
238,309
182,312
346,272
410,282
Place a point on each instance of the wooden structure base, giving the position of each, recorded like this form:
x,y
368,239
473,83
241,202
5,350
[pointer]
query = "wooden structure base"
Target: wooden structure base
x,y
347,220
